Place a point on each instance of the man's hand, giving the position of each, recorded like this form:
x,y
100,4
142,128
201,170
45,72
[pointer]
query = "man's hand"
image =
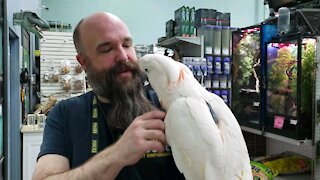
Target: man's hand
x,y
146,132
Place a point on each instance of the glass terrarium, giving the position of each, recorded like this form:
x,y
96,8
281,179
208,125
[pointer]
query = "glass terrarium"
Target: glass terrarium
x,y
248,78
290,79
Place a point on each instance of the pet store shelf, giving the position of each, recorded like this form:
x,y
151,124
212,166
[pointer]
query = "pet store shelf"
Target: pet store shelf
x,y
185,46
251,130
276,137
286,139
178,40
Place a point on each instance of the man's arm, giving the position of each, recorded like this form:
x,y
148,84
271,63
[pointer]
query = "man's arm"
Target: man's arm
x,y
145,133
104,165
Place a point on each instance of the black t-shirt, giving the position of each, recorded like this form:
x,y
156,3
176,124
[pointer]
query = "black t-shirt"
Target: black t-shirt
x,y
68,133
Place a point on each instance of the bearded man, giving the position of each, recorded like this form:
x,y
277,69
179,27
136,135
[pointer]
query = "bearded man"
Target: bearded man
x,y
112,132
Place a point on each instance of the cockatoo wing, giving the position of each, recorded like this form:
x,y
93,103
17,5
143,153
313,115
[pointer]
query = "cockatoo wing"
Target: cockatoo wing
x,y
195,140
237,156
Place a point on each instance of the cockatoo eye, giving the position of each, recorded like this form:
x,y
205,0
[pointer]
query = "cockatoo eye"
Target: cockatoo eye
x,y
146,70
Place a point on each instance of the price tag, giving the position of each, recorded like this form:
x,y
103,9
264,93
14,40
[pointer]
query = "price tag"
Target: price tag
x,y
208,50
293,121
278,122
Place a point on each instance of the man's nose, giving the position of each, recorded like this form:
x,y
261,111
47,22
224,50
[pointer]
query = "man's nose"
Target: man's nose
x,y
122,54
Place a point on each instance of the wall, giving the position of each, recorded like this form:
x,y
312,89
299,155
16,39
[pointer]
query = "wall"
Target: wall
x,y
146,18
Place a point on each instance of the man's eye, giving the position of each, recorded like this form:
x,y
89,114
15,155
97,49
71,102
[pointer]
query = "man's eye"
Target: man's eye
x,y
127,45
105,50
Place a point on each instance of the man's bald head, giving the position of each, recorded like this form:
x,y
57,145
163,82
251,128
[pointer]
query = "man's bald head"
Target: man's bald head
x,y
92,21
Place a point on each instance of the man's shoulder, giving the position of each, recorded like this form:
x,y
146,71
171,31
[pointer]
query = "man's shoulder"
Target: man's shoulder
x,y
72,107
82,100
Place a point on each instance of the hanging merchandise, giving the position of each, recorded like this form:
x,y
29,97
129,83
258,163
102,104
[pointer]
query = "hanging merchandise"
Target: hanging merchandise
x,y
55,75
78,69
65,67
66,81
79,83
56,61
46,77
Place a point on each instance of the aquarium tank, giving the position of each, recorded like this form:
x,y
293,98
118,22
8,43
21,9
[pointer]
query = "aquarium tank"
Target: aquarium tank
x,y
290,76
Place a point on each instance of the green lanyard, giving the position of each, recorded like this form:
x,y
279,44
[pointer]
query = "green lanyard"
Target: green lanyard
x,y
95,127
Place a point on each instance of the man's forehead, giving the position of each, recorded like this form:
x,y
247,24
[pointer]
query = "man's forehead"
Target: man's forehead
x,y
104,23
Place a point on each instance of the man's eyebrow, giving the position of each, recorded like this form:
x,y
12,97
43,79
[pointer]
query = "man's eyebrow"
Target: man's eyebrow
x,y
128,40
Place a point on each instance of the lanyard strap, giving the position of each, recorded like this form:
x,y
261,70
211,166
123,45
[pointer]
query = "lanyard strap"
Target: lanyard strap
x,y
95,126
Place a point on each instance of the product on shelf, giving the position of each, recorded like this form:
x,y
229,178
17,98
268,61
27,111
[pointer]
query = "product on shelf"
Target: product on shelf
x,y
225,40
261,171
287,163
216,40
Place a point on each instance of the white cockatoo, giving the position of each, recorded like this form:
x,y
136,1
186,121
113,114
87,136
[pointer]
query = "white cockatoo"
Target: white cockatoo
x,y
205,137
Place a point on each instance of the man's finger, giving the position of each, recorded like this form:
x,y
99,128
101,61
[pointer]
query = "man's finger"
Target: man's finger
x,y
154,114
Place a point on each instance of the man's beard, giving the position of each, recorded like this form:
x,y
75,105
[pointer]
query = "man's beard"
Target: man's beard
x,y
127,97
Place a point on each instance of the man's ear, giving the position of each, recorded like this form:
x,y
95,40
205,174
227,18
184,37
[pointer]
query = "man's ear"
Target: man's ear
x,y
83,62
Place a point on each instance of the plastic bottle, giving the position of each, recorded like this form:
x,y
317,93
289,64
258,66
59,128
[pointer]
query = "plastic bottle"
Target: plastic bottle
x,y
284,20
226,65
225,40
217,40
217,65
